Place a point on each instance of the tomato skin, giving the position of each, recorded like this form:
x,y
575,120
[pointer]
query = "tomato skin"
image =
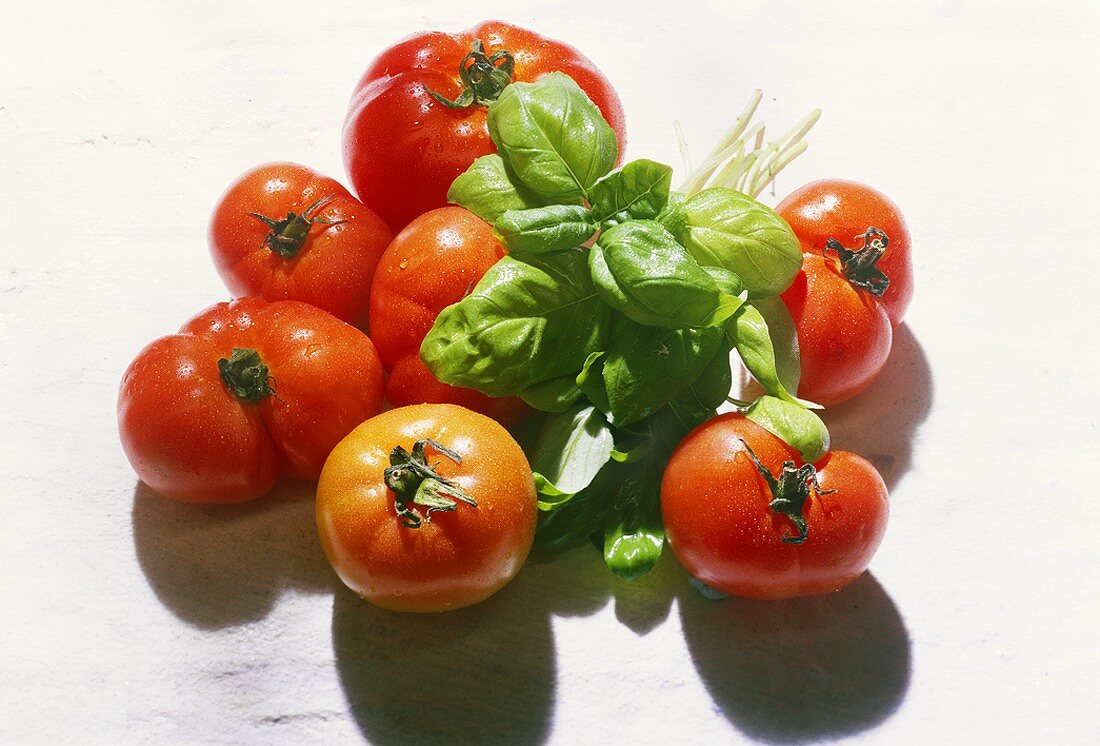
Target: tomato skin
x,y
835,208
452,560
719,524
844,334
433,262
402,148
335,265
189,438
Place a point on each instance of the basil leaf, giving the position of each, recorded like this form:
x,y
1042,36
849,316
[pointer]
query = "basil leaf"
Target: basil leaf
x,y
640,270
700,400
748,331
784,338
573,521
728,282
672,216
647,366
590,381
487,190
555,395
543,229
725,228
637,191
571,449
553,137
526,322
799,427
634,533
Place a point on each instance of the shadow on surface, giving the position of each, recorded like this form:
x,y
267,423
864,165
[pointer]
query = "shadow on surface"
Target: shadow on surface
x,y
804,669
880,423
222,565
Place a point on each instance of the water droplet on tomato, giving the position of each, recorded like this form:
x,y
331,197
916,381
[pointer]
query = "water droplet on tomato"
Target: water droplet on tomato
x,y
313,350
403,263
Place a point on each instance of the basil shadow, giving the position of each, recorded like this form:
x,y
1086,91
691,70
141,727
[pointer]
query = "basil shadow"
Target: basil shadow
x,y
881,422
803,669
216,566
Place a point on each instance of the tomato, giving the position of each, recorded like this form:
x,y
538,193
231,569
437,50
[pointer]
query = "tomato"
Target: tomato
x,y
722,526
464,535
245,391
844,334
285,232
403,147
432,263
843,211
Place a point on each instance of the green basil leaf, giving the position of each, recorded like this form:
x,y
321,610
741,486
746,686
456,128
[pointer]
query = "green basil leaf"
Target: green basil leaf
x,y
784,338
574,520
724,228
571,449
527,321
590,381
640,270
802,429
647,366
672,216
748,331
487,190
637,191
634,534
699,401
553,137
543,229
728,282
555,395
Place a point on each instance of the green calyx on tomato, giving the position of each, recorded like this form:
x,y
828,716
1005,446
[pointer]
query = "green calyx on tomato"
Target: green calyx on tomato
x,y
859,265
790,491
246,375
288,235
483,77
415,482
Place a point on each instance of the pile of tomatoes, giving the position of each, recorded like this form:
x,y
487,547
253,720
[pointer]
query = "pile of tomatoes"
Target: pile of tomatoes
x,y
431,505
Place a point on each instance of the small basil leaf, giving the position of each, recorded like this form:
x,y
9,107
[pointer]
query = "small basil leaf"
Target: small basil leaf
x,y
553,137
574,520
640,270
672,216
784,339
748,331
634,533
590,381
728,282
647,366
543,229
699,401
555,395
527,321
487,190
724,228
799,427
637,191
572,447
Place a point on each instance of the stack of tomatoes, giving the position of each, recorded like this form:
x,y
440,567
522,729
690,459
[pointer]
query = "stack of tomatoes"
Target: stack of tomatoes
x,y
432,505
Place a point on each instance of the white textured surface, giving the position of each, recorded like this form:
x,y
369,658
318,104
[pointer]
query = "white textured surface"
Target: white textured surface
x,y
126,618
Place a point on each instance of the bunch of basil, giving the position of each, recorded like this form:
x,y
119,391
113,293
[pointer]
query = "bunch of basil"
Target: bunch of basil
x,y
626,343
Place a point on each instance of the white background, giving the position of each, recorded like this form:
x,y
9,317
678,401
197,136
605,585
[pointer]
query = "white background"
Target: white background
x,y
125,617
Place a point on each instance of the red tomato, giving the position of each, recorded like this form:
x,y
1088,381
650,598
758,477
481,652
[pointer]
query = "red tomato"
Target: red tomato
x,y
403,148
285,232
244,392
844,334
722,526
434,262
409,556
844,210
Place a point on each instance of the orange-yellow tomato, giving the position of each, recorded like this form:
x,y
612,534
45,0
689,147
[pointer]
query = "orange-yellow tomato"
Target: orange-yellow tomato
x,y
454,557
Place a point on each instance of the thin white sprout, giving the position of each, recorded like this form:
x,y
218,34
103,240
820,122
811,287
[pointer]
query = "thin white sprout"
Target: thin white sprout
x,y
727,142
681,142
735,150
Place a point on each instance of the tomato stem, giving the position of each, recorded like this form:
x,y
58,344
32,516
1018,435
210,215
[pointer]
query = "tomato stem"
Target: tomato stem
x,y
287,236
790,491
482,77
246,375
415,482
858,265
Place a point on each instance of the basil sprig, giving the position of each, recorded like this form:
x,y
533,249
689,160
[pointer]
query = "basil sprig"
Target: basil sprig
x,y
616,311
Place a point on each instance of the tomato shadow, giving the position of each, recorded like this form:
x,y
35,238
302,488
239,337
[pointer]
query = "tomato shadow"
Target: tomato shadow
x,y
804,669
223,565
485,674
880,423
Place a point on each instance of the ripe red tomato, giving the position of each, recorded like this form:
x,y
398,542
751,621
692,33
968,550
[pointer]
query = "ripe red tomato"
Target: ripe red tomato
x,y
843,211
285,232
844,334
432,263
403,147
244,392
426,508
726,526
